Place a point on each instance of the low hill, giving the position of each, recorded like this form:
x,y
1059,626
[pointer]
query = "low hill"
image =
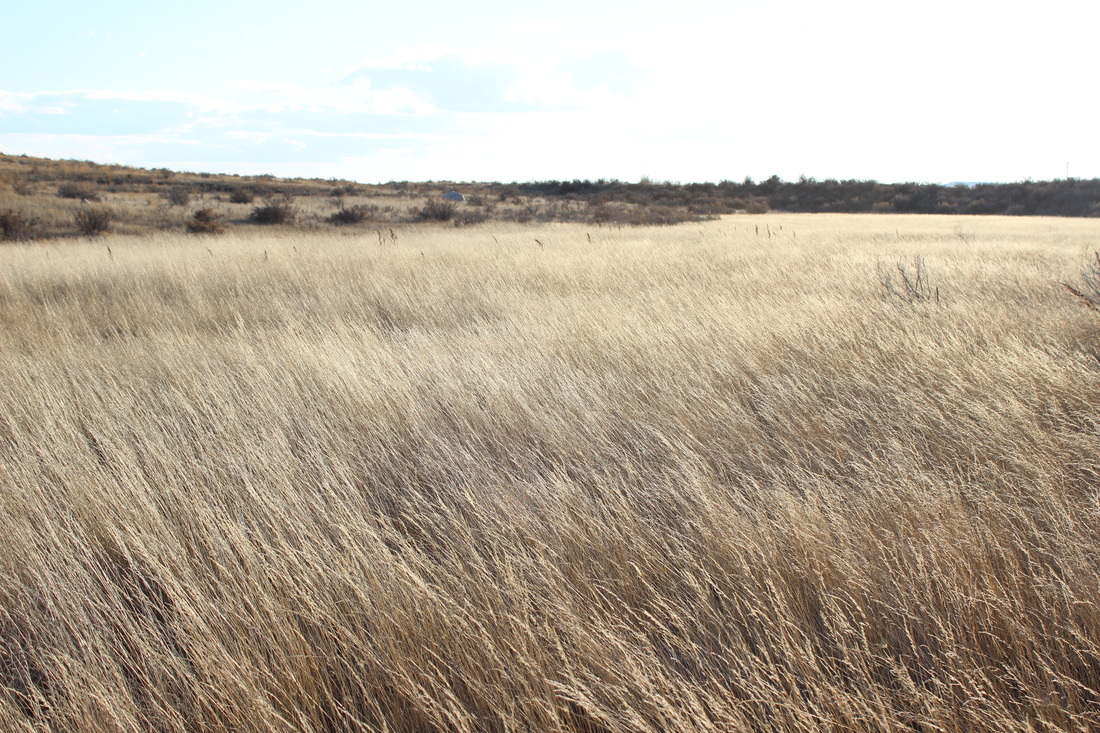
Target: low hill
x,y
42,198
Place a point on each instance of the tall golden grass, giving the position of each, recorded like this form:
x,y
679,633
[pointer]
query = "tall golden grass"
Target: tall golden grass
x,y
785,473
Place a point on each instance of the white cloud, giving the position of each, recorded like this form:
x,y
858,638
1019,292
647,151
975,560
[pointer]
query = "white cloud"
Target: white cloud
x,y
10,103
356,97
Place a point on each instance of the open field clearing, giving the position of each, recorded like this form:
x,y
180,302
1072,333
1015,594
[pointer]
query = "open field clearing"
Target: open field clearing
x,y
763,473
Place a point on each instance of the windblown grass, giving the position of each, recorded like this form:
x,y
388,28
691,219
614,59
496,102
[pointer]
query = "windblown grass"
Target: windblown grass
x,y
710,477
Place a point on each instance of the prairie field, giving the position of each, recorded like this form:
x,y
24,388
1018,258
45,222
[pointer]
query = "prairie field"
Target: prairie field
x,y
763,473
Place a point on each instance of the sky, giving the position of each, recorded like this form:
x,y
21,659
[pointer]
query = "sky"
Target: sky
x,y
487,90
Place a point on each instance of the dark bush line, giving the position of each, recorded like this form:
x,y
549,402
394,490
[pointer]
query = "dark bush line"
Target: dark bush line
x,y
1071,197
1064,197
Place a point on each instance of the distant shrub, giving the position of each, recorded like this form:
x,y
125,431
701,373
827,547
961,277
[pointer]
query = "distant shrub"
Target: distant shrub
x,y
526,214
93,222
661,216
347,189
353,215
242,196
471,217
437,210
275,211
178,196
16,226
24,188
757,206
707,210
205,221
75,190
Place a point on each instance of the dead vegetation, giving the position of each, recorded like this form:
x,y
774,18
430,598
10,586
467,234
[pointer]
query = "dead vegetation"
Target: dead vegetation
x,y
708,477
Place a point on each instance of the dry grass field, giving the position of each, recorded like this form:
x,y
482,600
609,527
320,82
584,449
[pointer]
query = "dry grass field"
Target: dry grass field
x,y
771,473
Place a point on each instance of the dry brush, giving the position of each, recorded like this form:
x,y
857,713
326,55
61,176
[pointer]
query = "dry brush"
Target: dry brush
x,y
689,478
